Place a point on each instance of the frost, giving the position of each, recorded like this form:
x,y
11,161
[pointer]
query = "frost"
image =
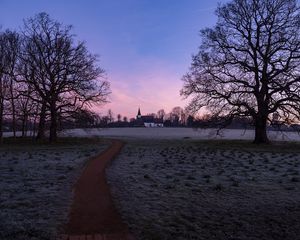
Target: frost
x,y
194,190
36,188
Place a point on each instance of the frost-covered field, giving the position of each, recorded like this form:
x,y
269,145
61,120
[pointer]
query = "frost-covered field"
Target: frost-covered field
x,y
36,187
177,133
208,190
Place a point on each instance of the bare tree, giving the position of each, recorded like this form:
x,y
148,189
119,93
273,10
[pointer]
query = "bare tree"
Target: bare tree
x,y
104,121
176,115
8,57
110,116
161,113
25,107
13,48
3,71
119,117
63,73
248,64
84,118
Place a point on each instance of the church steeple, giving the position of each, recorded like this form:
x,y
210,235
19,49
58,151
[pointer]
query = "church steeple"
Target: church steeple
x,y
139,115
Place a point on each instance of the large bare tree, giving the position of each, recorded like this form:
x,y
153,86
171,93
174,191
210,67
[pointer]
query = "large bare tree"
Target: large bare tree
x,y
62,72
248,63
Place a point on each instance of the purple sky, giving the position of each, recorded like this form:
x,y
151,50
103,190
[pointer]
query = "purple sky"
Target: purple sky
x,y
145,46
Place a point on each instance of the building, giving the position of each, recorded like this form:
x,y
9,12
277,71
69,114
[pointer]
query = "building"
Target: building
x,y
148,120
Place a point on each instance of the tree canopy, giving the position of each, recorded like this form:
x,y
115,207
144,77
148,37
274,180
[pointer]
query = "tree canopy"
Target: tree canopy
x,y
47,75
248,63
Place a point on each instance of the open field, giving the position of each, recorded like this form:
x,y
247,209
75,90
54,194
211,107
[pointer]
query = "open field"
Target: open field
x,y
185,189
36,185
164,189
177,133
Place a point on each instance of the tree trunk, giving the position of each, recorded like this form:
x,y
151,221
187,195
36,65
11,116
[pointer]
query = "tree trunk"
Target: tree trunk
x,y
1,110
53,125
13,108
13,118
261,130
34,127
42,121
24,125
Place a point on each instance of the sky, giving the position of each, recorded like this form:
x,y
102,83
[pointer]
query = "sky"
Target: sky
x,y
145,46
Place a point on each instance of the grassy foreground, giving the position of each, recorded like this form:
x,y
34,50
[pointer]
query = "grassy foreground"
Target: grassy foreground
x,y
36,184
189,189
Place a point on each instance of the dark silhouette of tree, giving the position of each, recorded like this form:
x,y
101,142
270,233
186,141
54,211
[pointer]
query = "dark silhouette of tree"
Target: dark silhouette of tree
x,y
104,121
132,120
161,113
9,47
119,117
12,48
190,121
26,108
84,118
62,72
248,64
110,116
3,71
176,115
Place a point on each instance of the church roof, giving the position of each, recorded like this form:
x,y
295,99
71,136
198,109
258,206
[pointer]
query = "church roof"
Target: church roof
x,y
148,119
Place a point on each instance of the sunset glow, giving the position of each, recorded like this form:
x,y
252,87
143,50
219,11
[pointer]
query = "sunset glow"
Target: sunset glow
x,y
145,47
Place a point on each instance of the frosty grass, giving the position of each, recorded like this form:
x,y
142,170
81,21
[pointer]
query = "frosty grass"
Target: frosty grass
x,y
36,188
192,190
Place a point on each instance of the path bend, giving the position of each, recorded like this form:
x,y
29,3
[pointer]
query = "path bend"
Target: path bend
x,y
93,212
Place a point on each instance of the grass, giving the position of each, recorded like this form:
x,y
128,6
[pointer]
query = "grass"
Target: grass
x,y
243,145
21,142
224,185
36,184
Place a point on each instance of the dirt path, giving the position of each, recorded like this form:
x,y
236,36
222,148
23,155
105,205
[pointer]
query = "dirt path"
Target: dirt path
x,y
92,212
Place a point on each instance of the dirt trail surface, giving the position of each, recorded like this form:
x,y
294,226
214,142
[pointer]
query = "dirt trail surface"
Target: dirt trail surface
x,y
92,211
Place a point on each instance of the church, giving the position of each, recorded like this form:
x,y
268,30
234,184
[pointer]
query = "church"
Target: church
x,y
148,120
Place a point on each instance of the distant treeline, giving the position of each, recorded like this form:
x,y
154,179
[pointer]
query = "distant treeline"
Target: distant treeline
x,y
85,118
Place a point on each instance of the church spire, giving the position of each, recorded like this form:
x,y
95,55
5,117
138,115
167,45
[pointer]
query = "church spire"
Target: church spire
x,y
139,115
